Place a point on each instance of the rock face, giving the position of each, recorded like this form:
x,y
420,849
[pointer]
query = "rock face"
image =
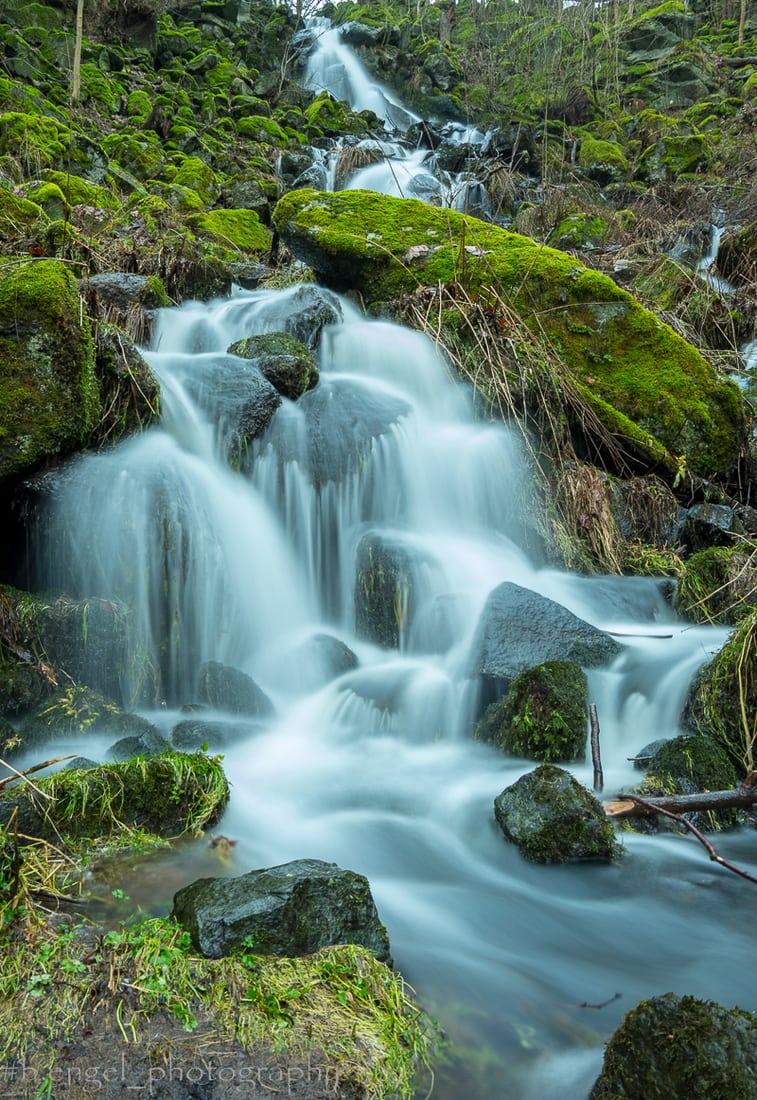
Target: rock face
x,y
49,396
293,909
646,382
551,818
520,629
671,1047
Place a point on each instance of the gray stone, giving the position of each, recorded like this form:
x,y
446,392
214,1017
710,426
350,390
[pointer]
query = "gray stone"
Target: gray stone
x,y
292,909
232,690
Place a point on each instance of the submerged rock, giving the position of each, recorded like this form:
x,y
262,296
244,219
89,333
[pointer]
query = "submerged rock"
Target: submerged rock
x,y
232,690
552,818
292,909
681,1048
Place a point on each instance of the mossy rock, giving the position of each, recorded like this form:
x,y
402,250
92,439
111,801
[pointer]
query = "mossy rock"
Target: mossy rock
x,y
671,1048
286,362
51,199
691,764
624,356
35,141
239,230
718,585
79,191
543,716
18,215
737,255
262,129
581,232
168,795
552,818
200,177
603,161
78,711
722,702
49,395
141,154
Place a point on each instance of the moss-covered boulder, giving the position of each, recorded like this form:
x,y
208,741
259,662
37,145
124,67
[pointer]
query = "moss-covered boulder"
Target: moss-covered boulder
x,y
671,1047
718,585
293,909
633,368
603,161
237,230
551,818
690,764
286,362
543,716
384,591
49,395
75,712
723,699
169,795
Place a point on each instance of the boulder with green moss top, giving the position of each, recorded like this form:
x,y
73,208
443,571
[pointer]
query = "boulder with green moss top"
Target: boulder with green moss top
x,y
689,764
722,701
78,712
17,215
718,585
293,909
226,688
169,795
552,818
671,1046
236,230
385,590
287,364
543,716
49,393
641,378
603,161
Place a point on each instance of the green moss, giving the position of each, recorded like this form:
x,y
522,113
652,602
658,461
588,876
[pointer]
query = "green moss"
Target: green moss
x,y
718,585
139,105
34,141
98,87
625,356
141,154
49,397
723,699
602,159
692,763
543,716
200,177
168,795
17,215
262,129
78,191
52,200
238,229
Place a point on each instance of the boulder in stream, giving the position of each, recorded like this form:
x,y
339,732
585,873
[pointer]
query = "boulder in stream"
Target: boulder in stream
x,y
681,1048
232,690
282,359
292,909
552,818
543,716
520,628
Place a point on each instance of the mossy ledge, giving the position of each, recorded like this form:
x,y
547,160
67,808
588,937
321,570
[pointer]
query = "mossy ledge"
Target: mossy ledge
x,y
385,247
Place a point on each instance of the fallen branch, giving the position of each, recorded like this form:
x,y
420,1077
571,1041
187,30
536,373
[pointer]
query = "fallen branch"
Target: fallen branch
x,y
596,757
651,806
630,805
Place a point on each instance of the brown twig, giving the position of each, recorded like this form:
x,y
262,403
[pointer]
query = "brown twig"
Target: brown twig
x,y
602,1004
714,855
596,757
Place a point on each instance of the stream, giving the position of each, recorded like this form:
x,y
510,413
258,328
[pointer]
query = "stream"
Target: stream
x,y
376,768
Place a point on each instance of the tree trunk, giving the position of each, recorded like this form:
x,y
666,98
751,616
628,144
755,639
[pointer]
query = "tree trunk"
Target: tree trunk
x,y
76,75
625,806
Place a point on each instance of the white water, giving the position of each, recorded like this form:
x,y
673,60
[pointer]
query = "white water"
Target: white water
x,y
377,770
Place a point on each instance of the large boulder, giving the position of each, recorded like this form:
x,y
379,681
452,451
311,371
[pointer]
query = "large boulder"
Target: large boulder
x,y
551,818
681,1048
49,395
292,909
520,629
642,379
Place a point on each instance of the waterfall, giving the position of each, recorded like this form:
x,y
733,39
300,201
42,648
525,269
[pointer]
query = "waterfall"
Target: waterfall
x,y
376,768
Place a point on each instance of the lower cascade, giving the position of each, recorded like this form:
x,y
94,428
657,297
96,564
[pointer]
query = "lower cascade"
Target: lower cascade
x,y
343,561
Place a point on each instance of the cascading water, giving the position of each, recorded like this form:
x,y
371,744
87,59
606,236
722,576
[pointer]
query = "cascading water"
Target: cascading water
x,y
375,768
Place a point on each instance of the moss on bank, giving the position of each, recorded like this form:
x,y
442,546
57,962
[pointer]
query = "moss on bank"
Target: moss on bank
x,y
627,358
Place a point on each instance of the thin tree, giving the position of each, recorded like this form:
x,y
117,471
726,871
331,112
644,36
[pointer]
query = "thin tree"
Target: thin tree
x,y
76,75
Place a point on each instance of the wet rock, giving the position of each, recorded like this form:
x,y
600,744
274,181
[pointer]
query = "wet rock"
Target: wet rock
x,y
520,629
192,734
644,756
710,525
689,764
551,818
384,591
309,310
672,1046
232,690
544,715
321,659
292,909
80,712
283,360
149,743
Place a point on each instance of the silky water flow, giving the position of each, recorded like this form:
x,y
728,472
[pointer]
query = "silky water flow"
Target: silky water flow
x,y
377,769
